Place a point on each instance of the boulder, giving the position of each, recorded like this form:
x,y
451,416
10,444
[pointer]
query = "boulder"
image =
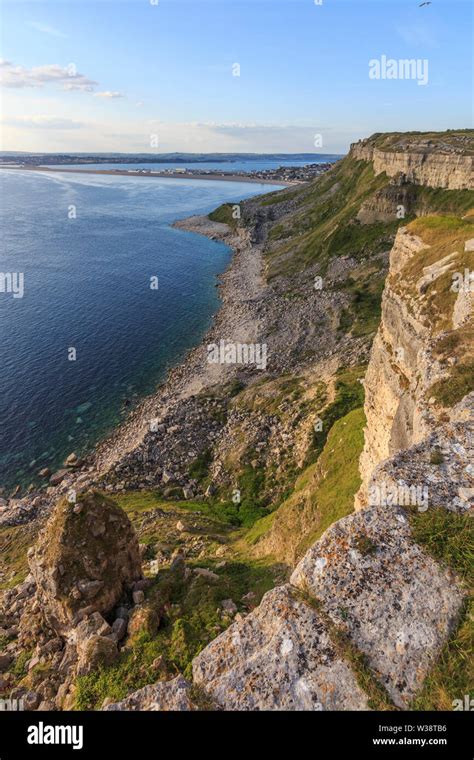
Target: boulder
x,y
119,628
83,561
6,660
397,605
31,700
96,651
229,606
57,477
164,696
138,597
280,657
143,618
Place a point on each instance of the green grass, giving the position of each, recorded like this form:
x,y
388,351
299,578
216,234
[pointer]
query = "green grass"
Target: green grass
x,y
279,197
224,214
452,389
14,544
324,491
334,492
192,618
349,396
199,468
438,200
260,528
325,224
453,675
448,537
363,315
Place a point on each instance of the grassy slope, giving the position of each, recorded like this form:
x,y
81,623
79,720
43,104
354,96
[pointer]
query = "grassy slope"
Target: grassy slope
x,y
323,224
320,226
323,493
449,538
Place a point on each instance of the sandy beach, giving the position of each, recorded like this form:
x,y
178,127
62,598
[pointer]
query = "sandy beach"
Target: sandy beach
x,y
157,174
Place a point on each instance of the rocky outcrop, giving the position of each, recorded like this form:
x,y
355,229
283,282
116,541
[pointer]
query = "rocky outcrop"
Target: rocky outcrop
x,y
371,579
280,657
366,577
164,696
420,166
85,558
85,563
406,359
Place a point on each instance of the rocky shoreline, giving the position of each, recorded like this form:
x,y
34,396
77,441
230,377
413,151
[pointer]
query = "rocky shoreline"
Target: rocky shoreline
x,y
242,290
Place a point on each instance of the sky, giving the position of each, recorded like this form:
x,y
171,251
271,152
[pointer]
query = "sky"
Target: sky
x,y
229,75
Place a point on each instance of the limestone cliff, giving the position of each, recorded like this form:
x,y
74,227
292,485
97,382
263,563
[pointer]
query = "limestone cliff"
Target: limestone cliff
x,y
424,162
367,610
278,455
423,353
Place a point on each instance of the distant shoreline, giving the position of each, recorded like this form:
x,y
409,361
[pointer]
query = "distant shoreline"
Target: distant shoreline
x,y
158,174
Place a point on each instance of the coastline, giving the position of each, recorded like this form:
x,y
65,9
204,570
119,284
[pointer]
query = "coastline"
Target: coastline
x,y
242,289
157,175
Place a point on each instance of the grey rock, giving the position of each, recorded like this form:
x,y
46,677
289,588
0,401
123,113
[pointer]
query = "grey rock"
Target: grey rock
x,y
394,601
138,597
58,477
164,696
279,657
119,628
6,660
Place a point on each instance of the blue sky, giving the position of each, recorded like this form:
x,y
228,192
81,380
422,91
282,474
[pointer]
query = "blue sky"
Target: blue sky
x,y
130,75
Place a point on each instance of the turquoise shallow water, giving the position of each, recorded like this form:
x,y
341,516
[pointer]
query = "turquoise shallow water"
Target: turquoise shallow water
x,y
87,287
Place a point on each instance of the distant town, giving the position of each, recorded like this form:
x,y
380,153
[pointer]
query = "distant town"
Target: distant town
x,y
285,174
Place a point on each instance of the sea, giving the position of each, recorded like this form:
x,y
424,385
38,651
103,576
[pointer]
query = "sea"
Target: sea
x,y
99,296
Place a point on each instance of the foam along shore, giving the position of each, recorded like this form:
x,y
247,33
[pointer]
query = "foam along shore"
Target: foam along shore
x,y
158,174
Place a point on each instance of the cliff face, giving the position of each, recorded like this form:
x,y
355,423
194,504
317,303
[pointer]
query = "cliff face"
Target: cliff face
x,y
359,594
424,343
450,171
362,619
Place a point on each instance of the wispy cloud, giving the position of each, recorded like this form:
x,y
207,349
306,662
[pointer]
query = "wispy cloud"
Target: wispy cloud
x,y
108,94
43,122
65,77
46,29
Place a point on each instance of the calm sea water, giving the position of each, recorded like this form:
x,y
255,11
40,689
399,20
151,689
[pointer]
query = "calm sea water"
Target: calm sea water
x,y
87,287
227,166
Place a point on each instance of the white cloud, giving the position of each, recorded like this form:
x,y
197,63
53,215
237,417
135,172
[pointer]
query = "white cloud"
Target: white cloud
x,y
68,78
108,94
46,29
43,122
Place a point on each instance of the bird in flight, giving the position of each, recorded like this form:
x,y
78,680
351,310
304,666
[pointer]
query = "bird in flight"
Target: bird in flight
x,y
422,4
